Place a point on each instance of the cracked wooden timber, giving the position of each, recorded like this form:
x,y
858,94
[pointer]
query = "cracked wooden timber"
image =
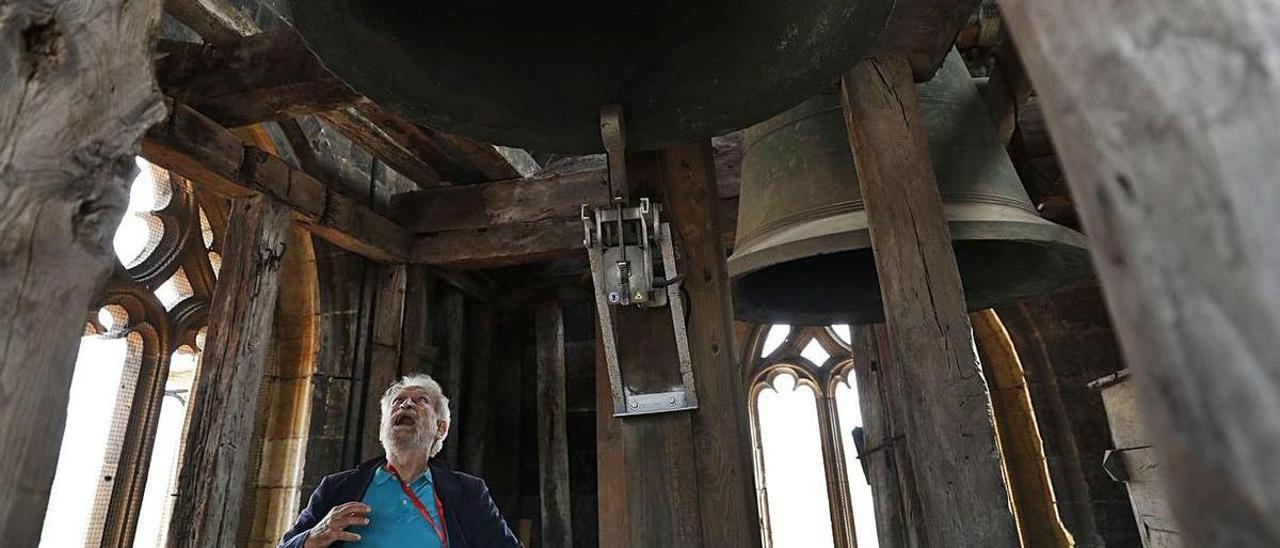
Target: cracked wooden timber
x,y
73,104
1165,118
217,455
199,149
950,434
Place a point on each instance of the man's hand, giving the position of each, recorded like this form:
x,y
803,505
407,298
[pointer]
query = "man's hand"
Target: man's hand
x,y
333,527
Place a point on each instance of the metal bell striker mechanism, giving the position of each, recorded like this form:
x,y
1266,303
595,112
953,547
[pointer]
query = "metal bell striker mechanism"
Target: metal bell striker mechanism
x,y
803,253
621,241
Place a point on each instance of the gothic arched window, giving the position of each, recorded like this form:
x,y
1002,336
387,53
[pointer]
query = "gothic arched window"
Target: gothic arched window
x,y
804,409
133,377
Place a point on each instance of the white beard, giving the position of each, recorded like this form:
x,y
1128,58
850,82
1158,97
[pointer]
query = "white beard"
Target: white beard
x,y
394,441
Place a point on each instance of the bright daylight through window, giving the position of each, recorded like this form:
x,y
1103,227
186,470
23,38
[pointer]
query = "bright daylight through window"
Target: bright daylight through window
x,y
802,444
131,388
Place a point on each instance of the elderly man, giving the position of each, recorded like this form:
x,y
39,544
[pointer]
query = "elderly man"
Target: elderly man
x,y
401,500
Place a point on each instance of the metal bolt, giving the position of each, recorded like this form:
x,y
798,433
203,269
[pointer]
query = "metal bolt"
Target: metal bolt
x,y
635,405
672,401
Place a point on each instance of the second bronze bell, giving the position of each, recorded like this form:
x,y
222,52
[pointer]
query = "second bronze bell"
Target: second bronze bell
x,y
803,253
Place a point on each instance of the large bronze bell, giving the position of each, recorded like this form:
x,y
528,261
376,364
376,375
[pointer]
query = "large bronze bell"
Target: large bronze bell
x,y
535,74
803,253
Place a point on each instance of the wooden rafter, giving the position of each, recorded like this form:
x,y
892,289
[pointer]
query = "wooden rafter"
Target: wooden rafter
x,y
243,78
258,78
511,222
501,202
199,149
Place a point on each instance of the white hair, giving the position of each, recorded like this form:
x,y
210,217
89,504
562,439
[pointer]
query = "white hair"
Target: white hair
x,y
439,402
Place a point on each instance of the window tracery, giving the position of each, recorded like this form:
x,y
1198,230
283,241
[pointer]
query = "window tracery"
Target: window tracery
x,y
133,378
804,408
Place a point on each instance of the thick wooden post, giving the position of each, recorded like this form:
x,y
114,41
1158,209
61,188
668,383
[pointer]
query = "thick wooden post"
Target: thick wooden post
x,y
217,453
648,492
509,340
883,448
553,441
684,478
948,426
415,332
721,426
479,346
384,352
75,97
452,315
1169,146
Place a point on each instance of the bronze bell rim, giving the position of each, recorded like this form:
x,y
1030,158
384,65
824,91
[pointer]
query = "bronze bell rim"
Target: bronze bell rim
x,y
813,238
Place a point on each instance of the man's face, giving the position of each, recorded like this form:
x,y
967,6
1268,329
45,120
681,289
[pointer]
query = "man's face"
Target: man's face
x,y
410,422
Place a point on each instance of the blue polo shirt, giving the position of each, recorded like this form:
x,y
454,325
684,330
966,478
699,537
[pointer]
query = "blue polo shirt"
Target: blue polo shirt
x,y
395,521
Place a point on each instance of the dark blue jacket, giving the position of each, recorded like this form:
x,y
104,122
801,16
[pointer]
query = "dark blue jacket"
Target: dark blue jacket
x,y
469,513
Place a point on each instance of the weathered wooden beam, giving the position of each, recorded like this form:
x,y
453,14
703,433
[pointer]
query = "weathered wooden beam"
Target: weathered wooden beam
x,y
379,142
612,489
218,446
217,21
948,425
505,245
257,78
553,441
474,284
74,104
1169,150
512,222
417,354
195,147
652,458
502,467
457,159
512,201
883,448
384,352
721,425
923,31
452,320
475,436
1007,91
679,479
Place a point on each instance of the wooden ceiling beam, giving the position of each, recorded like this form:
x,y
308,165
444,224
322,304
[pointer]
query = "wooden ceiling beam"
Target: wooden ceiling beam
x,y
505,245
199,149
258,78
217,21
488,205
511,222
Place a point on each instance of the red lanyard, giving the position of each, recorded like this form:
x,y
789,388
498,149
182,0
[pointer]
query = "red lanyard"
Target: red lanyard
x,y
441,532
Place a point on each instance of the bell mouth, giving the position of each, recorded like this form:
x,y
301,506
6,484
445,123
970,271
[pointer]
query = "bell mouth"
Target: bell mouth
x,y
809,275
535,74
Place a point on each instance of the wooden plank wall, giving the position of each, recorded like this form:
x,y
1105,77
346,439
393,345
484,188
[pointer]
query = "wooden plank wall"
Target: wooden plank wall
x,y
380,322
